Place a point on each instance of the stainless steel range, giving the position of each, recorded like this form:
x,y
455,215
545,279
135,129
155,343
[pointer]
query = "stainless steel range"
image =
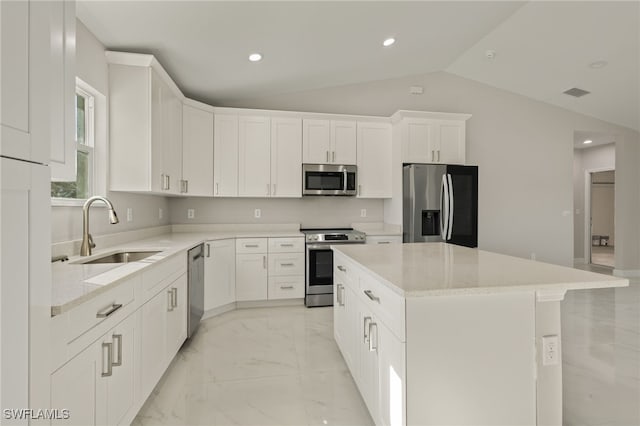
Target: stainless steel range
x,y
319,260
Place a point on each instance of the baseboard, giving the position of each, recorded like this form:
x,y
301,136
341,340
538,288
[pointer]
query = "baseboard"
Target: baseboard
x,y
270,303
219,310
627,273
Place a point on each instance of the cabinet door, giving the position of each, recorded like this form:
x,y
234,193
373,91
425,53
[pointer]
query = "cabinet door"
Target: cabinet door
x,y
154,341
418,140
219,273
197,151
158,136
63,85
343,142
368,359
286,157
79,387
340,317
177,316
254,165
392,378
374,160
172,142
451,146
316,141
225,155
251,277
122,383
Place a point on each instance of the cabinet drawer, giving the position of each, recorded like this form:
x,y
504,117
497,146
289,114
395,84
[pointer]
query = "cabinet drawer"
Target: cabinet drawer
x,y
286,264
380,239
159,275
251,245
108,306
384,303
286,287
345,272
286,245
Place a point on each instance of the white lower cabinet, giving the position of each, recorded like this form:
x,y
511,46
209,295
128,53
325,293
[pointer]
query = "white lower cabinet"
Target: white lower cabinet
x,y
384,239
251,277
219,273
164,329
98,386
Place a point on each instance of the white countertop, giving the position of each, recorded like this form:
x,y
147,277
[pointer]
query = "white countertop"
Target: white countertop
x,y
73,284
434,269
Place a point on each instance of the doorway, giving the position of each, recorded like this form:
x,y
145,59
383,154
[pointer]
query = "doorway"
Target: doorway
x,y
601,214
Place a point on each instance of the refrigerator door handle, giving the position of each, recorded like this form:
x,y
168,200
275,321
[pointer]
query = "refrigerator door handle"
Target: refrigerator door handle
x,y
450,209
412,190
444,214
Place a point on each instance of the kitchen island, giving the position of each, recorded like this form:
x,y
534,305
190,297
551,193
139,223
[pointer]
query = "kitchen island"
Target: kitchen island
x,y
438,334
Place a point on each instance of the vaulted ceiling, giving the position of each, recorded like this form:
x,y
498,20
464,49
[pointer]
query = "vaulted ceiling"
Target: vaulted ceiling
x,y
541,48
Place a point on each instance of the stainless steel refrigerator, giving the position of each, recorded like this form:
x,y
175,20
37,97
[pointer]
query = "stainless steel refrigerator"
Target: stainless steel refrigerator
x,y
440,203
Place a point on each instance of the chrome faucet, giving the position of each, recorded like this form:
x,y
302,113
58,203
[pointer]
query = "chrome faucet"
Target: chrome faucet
x,y
87,240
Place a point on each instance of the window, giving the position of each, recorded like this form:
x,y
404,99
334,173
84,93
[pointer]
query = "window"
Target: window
x,y
82,187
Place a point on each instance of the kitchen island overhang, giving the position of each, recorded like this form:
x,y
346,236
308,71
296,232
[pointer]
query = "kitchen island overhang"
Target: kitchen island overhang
x,y
454,335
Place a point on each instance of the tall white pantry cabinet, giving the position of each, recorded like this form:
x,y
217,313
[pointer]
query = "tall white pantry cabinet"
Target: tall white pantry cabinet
x,y
37,88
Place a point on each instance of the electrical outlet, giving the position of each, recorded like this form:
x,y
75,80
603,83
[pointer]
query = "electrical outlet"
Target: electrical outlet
x,y
257,213
191,213
550,350
160,212
533,256
363,212
129,214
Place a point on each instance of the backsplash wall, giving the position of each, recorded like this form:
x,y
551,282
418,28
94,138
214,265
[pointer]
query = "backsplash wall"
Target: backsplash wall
x,y
308,211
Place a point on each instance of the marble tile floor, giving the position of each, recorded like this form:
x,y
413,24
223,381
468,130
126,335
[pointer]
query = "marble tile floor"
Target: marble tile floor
x,y
603,255
601,355
264,366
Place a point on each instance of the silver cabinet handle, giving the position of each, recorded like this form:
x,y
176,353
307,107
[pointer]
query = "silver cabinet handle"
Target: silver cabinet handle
x,y
366,329
333,153
170,300
208,250
268,189
163,183
118,361
274,189
342,268
384,242
438,155
359,189
371,296
286,245
287,264
109,347
264,262
340,294
373,348
108,310
186,186
432,155
251,246
217,192
174,297
327,156
286,287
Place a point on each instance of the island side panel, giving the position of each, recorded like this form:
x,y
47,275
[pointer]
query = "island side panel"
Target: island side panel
x,y
471,359
549,393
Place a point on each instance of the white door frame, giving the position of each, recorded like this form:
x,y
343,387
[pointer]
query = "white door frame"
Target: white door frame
x,y
587,209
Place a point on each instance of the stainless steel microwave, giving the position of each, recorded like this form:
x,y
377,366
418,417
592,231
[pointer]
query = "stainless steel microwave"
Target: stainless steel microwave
x,y
328,179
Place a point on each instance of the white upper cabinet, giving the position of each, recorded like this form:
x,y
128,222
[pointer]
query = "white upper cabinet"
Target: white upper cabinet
x,y
37,82
432,137
329,142
254,165
286,157
197,151
225,155
145,126
374,160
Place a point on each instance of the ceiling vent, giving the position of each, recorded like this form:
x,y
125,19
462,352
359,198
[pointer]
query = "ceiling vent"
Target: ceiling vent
x,y
575,92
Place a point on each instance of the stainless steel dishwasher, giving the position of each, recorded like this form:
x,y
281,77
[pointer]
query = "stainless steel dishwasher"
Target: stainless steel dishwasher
x,y
196,288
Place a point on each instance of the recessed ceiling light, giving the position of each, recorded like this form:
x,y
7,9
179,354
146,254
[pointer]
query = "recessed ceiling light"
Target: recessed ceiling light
x,y
598,64
388,42
255,57
588,141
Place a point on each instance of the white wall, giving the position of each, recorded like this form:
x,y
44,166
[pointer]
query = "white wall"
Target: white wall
x,y
67,221
524,150
309,211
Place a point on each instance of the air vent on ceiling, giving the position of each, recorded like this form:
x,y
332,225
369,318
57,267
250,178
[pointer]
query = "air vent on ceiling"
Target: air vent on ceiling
x,y
575,92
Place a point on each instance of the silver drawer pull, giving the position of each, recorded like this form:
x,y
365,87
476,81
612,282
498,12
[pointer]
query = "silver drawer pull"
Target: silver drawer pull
x,y
286,245
287,264
170,305
108,310
372,347
371,296
366,329
342,268
286,287
384,242
251,246
118,338
109,347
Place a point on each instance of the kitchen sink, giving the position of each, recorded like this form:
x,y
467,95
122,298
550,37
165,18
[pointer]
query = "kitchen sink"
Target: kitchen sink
x,y
120,257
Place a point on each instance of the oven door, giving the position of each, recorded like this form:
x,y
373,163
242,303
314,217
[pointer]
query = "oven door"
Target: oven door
x,y
319,269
